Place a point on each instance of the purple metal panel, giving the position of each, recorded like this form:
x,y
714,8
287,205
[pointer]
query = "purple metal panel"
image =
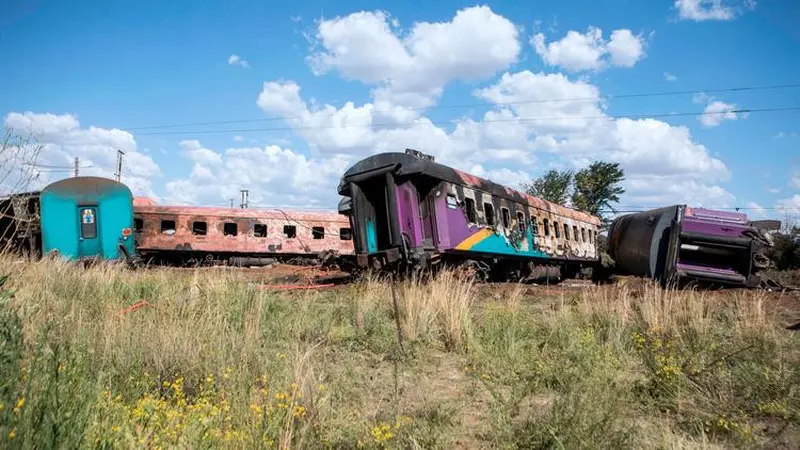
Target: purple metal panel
x,y
716,216
408,213
728,229
454,226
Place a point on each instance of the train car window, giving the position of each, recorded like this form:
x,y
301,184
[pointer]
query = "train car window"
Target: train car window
x,y
583,234
451,201
506,217
470,203
345,234
138,225
259,230
566,231
167,226
229,229
318,232
535,224
558,230
546,224
199,228
521,221
488,209
575,232
290,231
591,236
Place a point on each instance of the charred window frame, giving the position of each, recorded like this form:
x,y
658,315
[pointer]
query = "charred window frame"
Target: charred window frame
x,y
558,230
230,229
546,225
290,231
138,224
470,206
345,234
259,230
506,216
318,232
583,234
575,233
566,232
199,228
167,225
488,210
592,234
521,221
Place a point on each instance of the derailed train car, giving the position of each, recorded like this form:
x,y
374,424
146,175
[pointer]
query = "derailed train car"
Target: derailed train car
x,y
406,209
678,243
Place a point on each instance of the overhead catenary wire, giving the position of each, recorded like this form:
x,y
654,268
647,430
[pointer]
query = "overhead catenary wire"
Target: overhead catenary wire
x,y
491,104
482,122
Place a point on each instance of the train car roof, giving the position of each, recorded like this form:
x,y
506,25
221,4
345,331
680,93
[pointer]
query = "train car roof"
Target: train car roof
x,y
410,164
240,213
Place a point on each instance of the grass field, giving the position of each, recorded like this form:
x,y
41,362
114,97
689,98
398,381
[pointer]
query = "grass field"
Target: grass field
x,y
212,361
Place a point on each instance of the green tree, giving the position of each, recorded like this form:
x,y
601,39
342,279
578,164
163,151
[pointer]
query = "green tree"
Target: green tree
x,y
597,186
553,186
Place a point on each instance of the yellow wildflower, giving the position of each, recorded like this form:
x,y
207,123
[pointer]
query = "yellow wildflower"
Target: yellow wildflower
x,y
12,434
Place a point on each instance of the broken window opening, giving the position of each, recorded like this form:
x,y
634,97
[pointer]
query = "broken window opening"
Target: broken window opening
x,y
168,226
521,221
199,228
229,229
259,230
506,217
583,234
470,205
566,232
318,232
138,225
535,224
290,231
558,230
488,210
546,224
575,234
345,234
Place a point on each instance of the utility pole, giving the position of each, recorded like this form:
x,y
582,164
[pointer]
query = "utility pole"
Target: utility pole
x,y
76,165
231,203
244,198
120,154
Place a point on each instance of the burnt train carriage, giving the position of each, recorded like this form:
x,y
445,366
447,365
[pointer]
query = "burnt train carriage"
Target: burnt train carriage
x,y
20,228
406,208
190,234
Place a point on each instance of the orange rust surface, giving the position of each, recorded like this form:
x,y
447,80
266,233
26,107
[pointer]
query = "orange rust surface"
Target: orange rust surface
x,y
554,208
151,236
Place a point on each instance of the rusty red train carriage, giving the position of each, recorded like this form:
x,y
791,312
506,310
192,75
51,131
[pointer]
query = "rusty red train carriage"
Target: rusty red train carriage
x,y
238,236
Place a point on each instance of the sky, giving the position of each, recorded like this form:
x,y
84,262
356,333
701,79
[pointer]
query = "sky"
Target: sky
x,y
280,98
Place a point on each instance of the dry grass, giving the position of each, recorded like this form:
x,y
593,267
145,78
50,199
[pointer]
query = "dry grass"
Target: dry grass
x,y
216,362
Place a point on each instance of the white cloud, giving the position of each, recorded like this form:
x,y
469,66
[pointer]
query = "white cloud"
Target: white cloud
x,y
795,179
274,176
790,206
62,139
236,60
701,10
238,139
412,69
716,111
589,51
670,77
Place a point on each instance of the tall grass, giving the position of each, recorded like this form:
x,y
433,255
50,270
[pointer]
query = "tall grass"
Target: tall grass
x,y
211,360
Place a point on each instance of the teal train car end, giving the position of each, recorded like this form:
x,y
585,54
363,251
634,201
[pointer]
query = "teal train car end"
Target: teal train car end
x,y
85,218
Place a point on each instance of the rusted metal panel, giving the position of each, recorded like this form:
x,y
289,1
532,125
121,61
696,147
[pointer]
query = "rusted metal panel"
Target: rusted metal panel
x,y
185,236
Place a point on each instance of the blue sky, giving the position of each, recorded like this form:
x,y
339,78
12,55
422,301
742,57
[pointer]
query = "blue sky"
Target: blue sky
x,y
88,76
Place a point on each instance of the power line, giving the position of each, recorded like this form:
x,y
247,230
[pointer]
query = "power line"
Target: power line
x,y
488,104
514,119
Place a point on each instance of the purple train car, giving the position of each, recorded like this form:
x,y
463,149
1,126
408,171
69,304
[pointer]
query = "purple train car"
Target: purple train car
x,y
405,208
680,243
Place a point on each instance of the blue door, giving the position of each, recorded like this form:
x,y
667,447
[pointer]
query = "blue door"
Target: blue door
x,y
89,239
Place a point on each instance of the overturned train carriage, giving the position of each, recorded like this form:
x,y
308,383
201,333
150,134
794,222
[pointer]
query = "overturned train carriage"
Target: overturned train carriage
x,y
406,208
680,243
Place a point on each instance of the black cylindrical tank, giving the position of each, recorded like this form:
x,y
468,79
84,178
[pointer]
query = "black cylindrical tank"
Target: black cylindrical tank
x,y
639,242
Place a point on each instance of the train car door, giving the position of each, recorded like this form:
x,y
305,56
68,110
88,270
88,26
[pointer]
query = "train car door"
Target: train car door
x,y
89,238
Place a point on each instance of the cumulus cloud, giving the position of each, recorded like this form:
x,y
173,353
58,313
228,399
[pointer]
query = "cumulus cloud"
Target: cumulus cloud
x,y
702,10
791,205
411,69
716,111
670,77
62,138
794,181
589,51
275,177
236,60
